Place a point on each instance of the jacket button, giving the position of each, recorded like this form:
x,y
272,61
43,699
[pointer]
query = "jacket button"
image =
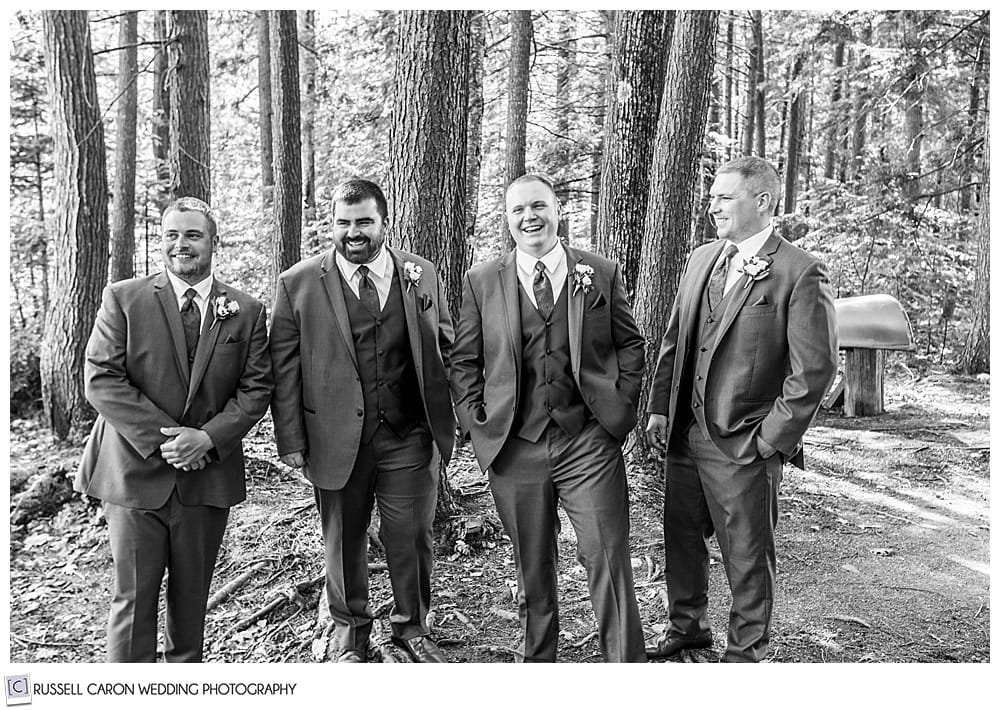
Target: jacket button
x,y
695,405
710,320
703,349
360,412
699,378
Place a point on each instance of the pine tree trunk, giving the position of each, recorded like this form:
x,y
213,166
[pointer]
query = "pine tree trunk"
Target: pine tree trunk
x,y
307,40
980,78
161,111
80,240
427,155
758,30
859,110
600,116
976,353
913,101
474,150
750,117
794,140
266,110
517,106
190,121
286,142
639,62
836,117
561,158
679,137
123,215
730,118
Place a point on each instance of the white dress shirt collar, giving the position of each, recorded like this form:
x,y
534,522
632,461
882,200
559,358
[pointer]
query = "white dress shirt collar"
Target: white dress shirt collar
x,y
380,267
556,269
203,288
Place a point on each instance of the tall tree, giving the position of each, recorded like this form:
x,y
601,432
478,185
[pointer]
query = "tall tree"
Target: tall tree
x,y
427,139
914,86
266,109
859,107
286,235
307,40
123,215
835,133
753,77
517,104
760,144
976,353
161,110
80,242
730,89
640,49
796,121
980,79
667,233
474,147
190,117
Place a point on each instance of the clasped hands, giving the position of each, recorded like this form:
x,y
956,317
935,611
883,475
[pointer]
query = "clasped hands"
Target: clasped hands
x,y
187,448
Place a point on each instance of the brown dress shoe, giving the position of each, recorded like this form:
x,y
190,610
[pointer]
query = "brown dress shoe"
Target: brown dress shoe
x,y
352,656
421,649
671,643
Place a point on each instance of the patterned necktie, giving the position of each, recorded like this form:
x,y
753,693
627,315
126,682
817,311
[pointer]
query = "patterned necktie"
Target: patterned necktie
x,y
717,282
543,290
191,320
367,292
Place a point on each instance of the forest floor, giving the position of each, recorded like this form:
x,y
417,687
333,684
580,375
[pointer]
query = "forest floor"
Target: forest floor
x,y
883,552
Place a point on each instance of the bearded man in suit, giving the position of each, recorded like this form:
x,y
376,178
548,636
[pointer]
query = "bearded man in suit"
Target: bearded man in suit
x,y
360,343
749,352
178,371
546,373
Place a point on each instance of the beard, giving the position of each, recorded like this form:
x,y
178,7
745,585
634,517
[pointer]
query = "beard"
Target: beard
x,y
361,252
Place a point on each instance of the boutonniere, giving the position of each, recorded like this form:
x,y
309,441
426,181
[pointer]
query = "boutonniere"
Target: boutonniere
x,y
413,274
223,308
583,277
755,269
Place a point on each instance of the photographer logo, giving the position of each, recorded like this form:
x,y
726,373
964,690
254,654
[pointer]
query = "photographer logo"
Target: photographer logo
x,y
18,689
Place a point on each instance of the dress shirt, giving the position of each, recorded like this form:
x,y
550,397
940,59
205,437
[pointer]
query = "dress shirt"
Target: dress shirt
x,y
203,288
380,271
747,248
555,268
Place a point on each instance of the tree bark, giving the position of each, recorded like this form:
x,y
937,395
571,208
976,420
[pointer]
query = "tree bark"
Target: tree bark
x,y
980,78
80,243
427,154
266,110
600,116
976,353
794,140
307,39
730,122
560,160
123,216
640,50
161,111
474,150
859,119
286,235
679,135
913,101
517,105
750,117
190,121
758,30
836,117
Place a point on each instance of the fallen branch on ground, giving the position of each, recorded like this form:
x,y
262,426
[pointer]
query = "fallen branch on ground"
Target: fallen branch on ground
x,y
231,586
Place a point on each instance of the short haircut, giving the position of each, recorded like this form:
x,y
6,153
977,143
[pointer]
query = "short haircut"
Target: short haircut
x,y
356,190
192,204
535,177
759,175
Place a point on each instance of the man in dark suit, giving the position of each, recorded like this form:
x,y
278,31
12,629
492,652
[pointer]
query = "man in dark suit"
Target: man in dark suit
x,y
360,343
546,373
178,371
750,351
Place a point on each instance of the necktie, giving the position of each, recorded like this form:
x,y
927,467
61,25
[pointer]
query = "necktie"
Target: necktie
x,y
367,292
717,281
543,290
191,320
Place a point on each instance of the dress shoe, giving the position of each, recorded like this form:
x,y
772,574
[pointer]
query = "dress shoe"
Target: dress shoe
x,y
421,649
352,656
670,643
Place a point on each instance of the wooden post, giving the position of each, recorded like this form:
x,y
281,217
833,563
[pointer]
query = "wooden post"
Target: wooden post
x,y
863,370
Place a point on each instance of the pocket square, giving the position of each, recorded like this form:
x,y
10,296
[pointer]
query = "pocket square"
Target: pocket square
x,y
762,301
231,339
598,302
425,302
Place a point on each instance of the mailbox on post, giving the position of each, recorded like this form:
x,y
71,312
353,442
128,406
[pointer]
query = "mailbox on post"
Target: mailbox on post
x,y
867,326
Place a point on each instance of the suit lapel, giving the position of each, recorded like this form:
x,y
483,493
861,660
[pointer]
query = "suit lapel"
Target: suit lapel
x,y
334,291
206,342
511,307
409,296
168,304
575,313
737,299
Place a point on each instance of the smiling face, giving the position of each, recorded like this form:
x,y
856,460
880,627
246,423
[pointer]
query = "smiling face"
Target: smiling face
x,y
533,216
188,245
737,210
358,230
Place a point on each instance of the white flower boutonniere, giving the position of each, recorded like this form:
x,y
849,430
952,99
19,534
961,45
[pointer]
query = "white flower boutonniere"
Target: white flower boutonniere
x,y
755,269
413,274
223,308
583,278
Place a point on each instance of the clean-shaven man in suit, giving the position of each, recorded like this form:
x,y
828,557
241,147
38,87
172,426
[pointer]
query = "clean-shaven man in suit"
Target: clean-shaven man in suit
x,y
360,343
749,352
546,373
178,371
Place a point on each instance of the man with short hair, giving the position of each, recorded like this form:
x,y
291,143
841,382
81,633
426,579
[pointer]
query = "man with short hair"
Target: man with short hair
x,y
546,372
360,342
749,352
178,371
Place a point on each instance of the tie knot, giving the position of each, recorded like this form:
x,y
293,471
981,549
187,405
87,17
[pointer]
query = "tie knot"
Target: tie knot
x,y
539,268
190,294
363,270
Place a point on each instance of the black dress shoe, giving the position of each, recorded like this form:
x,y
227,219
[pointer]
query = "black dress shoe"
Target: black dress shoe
x,y
352,656
421,649
670,643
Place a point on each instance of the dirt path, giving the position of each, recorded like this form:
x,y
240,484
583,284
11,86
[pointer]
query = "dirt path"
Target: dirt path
x,y
883,553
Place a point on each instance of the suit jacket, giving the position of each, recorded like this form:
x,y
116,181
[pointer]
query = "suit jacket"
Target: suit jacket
x,y
318,405
774,356
606,350
138,380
